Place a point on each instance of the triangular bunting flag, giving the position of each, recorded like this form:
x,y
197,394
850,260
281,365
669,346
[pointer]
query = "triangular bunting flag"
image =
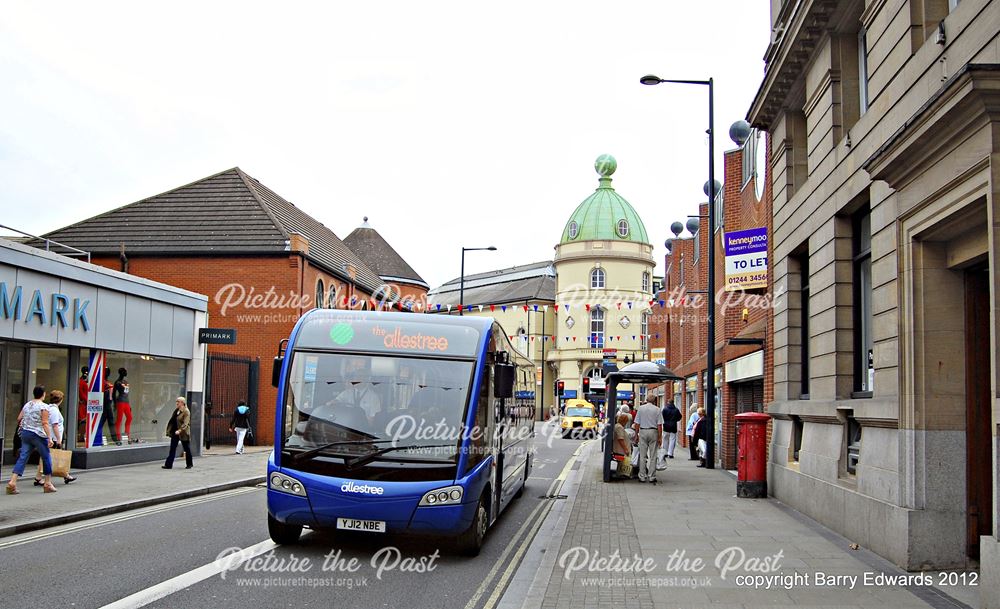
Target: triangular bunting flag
x,y
619,306
630,304
503,308
587,306
567,306
525,308
493,308
480,308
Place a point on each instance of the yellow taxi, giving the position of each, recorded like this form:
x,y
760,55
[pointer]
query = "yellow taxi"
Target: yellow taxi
x,y
579,418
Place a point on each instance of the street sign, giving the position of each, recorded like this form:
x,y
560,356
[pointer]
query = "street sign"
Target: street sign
x,y
217,336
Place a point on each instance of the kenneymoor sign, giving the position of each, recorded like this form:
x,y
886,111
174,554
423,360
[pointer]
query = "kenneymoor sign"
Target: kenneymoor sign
x,y
746,259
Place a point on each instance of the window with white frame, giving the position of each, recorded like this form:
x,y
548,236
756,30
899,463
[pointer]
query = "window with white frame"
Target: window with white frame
x,y
644,339
597,327
623,228
645,283
597,279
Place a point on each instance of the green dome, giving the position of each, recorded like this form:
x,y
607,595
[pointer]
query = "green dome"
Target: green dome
x,y
604,215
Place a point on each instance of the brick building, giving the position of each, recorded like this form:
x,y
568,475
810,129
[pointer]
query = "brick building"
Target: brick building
x,y
743,326
261,261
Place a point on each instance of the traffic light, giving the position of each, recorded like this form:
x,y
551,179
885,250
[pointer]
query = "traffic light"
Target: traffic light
x,y
560,388
586,384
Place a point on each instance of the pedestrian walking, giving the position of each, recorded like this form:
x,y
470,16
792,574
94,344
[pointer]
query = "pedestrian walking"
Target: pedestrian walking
x,y
57,423
689,432
240,424
701,436
179,430
649,426
36,434
671,416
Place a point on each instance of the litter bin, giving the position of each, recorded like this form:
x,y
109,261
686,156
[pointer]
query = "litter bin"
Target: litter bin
x,y
751,465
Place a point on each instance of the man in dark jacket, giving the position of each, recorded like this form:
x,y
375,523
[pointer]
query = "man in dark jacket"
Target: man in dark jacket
x,y
671,416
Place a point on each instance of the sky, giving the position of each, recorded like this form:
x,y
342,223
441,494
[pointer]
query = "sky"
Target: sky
x,y
448,124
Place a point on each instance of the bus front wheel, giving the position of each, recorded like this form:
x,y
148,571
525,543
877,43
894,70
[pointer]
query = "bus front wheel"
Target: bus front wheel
x,y
281,533
471,541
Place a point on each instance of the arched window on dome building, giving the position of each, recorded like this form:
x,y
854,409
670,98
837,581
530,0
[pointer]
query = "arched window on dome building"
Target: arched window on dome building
x,y
597,279
597,327
623,228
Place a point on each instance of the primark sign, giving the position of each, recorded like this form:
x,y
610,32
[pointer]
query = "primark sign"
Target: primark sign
x,y
43,308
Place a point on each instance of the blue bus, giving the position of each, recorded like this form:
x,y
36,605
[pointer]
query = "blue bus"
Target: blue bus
x,y
398,423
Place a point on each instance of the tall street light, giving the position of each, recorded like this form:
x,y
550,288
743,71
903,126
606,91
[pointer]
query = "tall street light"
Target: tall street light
x,y
711,185
461,281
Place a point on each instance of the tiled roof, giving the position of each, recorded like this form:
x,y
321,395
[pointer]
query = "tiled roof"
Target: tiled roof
x,y
229,213
369,245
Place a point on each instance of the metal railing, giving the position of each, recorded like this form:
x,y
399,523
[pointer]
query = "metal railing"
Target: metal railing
x,y
49,242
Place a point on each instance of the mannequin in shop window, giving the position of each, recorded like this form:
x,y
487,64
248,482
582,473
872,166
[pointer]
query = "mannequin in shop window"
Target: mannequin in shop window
x,y
109,413
81,405
123,408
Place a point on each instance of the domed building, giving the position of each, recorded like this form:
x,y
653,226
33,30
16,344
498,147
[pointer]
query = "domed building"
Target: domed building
x,y
587,308
604,271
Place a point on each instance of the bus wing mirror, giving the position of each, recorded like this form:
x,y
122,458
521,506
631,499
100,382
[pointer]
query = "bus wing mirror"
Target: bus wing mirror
x,y
276,371
503,381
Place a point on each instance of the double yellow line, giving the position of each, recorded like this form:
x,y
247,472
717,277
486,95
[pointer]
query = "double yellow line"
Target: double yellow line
x,y
519,545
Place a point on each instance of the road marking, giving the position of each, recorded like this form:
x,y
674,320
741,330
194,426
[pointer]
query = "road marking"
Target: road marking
x,y
509,572
531,521
114,519
186,580
510,546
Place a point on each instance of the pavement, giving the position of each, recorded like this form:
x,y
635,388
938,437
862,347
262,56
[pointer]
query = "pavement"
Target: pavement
x,y
688,541
110,490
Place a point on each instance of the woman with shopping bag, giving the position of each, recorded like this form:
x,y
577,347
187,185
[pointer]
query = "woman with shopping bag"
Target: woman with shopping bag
x,y
36,434
60,458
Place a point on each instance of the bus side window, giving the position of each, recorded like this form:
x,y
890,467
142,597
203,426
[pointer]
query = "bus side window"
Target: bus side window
x,y
480,438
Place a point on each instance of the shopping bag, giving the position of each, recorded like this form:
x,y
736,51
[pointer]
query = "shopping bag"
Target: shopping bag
x,y
60,462
702,448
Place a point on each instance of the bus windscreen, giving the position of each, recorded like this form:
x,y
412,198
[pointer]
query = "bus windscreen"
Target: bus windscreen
x,y
356,404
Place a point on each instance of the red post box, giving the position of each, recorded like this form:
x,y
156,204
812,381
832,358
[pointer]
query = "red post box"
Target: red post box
x,y
751,464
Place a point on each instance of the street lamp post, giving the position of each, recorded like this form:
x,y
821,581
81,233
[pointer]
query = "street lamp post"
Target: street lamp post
x,y
461,280
710,186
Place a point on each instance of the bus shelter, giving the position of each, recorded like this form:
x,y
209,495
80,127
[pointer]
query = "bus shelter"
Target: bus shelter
x,y
639,372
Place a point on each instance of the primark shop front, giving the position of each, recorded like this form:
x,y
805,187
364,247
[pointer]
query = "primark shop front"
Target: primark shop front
x,y
136,338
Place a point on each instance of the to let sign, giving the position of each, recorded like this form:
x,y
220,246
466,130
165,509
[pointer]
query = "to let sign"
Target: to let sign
x,y
217,336
746,259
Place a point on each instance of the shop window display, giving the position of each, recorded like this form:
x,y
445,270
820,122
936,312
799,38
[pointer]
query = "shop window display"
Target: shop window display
x,y
139,393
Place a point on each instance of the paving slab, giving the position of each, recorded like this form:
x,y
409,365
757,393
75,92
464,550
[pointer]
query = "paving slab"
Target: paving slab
x,y
110,490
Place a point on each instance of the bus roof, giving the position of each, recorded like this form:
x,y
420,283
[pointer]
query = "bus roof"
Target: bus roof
x,y
391,332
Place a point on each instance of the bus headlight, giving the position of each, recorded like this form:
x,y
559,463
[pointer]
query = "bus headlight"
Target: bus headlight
x,y
286,484
449,495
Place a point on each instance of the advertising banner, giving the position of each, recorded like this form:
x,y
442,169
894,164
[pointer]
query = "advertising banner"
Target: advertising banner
x,y
746,259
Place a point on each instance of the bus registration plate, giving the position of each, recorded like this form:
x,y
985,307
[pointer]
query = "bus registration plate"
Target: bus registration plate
x,y
370,526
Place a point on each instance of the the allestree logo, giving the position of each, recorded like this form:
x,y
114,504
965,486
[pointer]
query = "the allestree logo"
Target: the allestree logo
x,y
364,489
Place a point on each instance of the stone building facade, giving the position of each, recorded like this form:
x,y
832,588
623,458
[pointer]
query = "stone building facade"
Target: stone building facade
x,y
885,153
